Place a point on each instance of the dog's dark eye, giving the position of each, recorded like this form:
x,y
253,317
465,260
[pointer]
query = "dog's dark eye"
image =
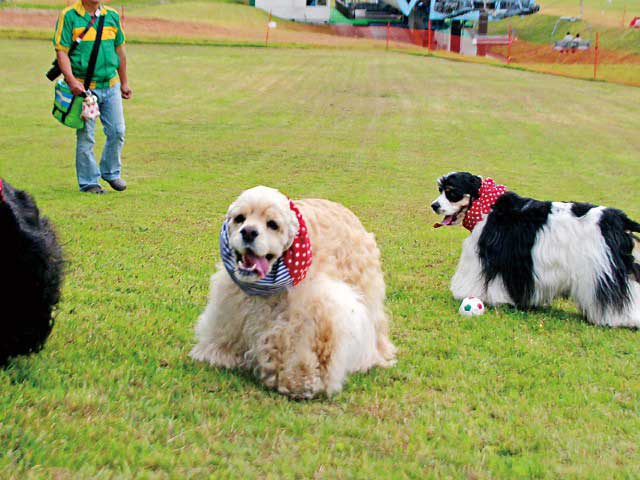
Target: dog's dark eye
x,y
439,189
272,225
239,219
453,196
269,256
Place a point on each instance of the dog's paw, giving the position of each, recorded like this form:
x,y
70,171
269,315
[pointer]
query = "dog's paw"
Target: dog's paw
x,y
299,384
214,356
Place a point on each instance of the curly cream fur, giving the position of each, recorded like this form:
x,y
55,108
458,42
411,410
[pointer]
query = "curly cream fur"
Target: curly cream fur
x,y
305,341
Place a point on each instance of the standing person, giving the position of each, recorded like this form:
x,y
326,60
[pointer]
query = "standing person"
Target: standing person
x,y
109,83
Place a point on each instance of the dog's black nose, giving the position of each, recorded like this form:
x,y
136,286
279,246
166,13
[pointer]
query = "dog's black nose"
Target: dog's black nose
x,y
435,206
249,234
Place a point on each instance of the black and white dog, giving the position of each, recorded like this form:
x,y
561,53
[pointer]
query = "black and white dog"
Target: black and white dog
x,y
526,252
30,272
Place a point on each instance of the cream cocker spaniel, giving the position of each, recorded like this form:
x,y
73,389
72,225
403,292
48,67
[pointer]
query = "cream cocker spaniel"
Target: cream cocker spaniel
x,y
299,299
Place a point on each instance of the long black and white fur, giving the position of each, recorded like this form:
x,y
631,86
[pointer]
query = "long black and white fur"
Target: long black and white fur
x,y
31,271
527,252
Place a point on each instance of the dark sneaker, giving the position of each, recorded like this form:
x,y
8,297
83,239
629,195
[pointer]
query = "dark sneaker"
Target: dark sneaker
x,y
94,189
118,184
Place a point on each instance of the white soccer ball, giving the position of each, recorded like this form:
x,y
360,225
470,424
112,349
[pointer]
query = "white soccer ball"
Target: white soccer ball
x,y
471,306
272,24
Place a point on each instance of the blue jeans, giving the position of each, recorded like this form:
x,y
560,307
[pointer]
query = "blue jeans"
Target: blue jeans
x,y
112,118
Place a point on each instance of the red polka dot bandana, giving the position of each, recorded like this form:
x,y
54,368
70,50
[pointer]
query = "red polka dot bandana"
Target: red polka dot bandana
x,y
298,257
489,193
287,271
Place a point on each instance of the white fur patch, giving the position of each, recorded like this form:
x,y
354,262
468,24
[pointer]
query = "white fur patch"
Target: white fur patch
x,y
569,256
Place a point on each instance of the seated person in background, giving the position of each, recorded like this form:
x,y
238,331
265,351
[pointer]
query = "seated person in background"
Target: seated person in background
x,y
577,40
567,39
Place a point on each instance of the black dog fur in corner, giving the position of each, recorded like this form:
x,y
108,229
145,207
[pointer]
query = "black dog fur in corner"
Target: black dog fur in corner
x,y
31,267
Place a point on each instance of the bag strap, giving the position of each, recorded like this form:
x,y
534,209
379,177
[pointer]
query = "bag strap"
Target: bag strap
x,y
94,54
81,36
92,61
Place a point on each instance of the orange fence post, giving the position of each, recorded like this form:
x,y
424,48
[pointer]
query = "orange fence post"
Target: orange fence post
x,y
595,59
388,32
122,14
266,41
429,35
509,46
624,14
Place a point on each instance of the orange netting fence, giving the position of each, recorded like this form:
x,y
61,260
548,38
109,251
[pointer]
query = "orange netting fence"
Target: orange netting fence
x,y
587,60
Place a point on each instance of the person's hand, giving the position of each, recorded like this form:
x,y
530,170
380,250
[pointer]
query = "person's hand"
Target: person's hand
x,y
126,91
77,88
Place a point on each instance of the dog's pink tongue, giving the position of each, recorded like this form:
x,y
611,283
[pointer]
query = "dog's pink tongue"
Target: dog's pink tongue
x,y
445,221
261,263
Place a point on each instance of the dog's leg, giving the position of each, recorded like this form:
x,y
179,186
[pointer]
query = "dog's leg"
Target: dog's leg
x,y
629,316
468,280
386,349
636,256
219,328
373,289
497,293
609,315
284,358
634,306
328,333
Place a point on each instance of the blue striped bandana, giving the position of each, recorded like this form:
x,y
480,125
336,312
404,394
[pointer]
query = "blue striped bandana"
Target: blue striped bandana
x,y
287,271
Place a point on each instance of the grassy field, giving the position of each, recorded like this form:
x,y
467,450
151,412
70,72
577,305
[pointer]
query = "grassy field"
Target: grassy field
x,y
538,29
602,12
619,57
233,23
511,394
180,22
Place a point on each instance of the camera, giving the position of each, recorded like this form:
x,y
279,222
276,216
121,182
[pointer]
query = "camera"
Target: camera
x,y
54,72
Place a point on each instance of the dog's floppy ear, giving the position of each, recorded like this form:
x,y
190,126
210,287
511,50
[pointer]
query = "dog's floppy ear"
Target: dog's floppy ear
x,y
477,183
471,184
228,214
292,227
234,205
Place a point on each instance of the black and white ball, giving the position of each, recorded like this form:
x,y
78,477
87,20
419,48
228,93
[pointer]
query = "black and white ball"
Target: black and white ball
x,y
471,306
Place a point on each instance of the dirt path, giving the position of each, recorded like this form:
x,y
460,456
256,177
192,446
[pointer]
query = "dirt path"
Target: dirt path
x,y
526,52
155,28
46,19
152,28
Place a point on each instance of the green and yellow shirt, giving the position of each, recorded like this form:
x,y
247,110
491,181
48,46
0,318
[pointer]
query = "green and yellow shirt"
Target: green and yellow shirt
x,y
71,23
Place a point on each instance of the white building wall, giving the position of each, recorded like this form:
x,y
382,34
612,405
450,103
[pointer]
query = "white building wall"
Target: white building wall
x,y
296,10
443,39
468,44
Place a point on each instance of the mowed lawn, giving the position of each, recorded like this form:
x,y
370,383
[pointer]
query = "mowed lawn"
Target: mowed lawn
x,y
601,12
511,394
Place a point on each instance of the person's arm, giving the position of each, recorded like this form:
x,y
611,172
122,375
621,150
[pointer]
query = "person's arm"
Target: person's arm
x,y
62,42
122,72
77,88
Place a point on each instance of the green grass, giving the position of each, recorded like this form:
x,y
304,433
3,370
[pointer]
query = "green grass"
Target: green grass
x,y
231,15
623,74
603,12
511,394
538,29
60,4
